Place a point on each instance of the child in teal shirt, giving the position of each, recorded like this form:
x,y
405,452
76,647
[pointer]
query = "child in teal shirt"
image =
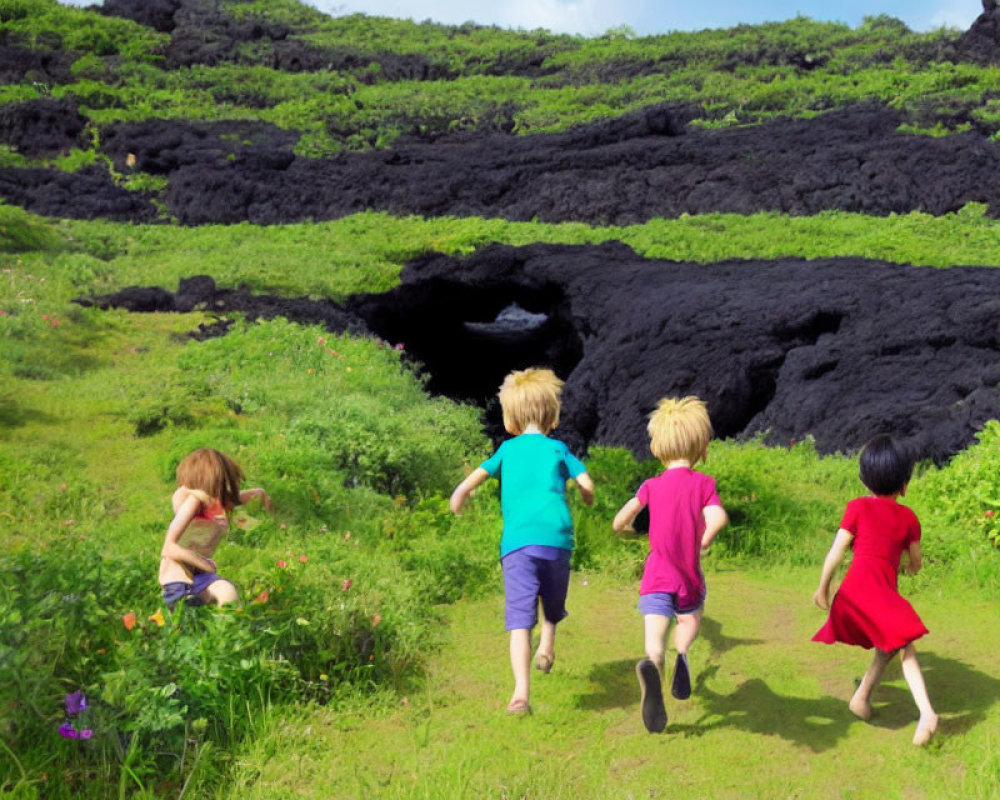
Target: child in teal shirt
x,y
537,539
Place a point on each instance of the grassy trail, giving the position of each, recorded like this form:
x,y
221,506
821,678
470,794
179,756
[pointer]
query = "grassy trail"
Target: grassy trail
x,y
767,719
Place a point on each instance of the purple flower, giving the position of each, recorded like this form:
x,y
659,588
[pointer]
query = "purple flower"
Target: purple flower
x,y
67,731
75,702
86,733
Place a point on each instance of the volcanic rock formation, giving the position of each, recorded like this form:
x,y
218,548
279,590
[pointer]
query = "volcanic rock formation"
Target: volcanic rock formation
x,y
839,349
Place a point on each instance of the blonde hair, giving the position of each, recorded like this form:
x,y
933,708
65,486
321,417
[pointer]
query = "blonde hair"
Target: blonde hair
x,y
679,428
214,473
530,396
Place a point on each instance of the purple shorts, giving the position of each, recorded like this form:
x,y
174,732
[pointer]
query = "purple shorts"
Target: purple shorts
x,y
664,604
531,574
173,592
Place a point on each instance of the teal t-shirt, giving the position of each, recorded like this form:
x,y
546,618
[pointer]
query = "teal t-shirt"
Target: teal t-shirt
x,y
533,470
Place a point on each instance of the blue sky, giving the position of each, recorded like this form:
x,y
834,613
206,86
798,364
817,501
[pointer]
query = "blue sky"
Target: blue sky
x,y
594,17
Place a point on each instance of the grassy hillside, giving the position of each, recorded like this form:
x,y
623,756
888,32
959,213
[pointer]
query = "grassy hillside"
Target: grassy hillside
x,y
370,612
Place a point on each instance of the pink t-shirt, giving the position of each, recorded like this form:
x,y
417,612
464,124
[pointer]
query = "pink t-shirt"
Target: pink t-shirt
x,y
676,499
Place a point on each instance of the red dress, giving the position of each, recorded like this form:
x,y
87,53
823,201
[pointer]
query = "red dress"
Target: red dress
x,y
868,610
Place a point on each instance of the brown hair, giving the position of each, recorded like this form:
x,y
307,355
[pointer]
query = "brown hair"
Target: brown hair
x,y
214,473
679,428
530,396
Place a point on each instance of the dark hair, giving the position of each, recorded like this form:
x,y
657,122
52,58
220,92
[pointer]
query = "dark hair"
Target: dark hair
x,y
886,466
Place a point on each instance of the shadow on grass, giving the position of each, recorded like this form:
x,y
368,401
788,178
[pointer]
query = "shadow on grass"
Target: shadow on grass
x,y
13,415
960,694
618,686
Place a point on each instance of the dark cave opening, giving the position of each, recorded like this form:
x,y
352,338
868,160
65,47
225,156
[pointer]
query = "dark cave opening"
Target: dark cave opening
x,y
467,338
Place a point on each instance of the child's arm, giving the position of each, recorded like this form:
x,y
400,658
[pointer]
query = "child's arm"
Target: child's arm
x,y
838,550
626,515
464,489
716,519
172,550
249,494
586,484
914,558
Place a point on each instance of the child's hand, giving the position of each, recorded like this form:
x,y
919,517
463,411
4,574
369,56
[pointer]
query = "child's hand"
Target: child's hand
x,y
627,533
821,598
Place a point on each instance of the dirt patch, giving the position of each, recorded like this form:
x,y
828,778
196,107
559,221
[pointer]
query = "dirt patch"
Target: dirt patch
x,y
837,349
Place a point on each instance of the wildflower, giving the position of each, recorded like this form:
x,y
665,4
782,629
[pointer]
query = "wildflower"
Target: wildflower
x,y
311,370
347,535
324,677
283,526
63,487
301,621
347,584
376,619
282,564
128,621
130,160
67,731
303,559
75,702
990,513
320,340
262,597
399,346
158,618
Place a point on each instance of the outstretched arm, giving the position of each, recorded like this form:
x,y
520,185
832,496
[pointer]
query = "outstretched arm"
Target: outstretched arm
x,y
838,550
716,519
586,484
464,489
626,515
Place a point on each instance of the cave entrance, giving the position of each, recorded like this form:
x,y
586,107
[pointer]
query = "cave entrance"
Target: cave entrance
x,y
469,337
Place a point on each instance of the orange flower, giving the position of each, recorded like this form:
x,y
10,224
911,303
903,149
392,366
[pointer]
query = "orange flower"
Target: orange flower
x,y
303,559
128,621
158,618
320,340
262,597
130,160
376,620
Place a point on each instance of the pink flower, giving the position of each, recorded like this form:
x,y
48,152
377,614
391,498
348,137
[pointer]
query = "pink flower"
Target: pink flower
x,y
282,564
320,340
303,559
990,513
347,584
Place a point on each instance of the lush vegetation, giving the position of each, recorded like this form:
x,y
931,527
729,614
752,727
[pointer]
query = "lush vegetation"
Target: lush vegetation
x,y
346,585
342,584
473,77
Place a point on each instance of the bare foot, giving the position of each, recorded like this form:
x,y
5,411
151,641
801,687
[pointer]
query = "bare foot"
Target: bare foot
x,y
860,708
518,705
544,661
925,730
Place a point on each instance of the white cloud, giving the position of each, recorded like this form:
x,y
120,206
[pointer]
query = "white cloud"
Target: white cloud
x,y
951,17
588,17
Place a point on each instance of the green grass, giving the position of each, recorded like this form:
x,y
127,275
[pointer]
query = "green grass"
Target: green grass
x,y
304,691
768,717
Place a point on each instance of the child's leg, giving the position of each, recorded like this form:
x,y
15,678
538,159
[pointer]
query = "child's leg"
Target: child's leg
x,y
686,631
546,653
520,663
553,586
860,704
220,593
656,626
915,680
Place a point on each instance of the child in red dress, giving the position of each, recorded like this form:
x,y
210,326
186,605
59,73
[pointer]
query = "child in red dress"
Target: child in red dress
x,y
868,610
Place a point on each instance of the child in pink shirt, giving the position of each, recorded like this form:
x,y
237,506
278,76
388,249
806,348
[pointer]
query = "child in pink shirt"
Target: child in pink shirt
x,y
685,514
